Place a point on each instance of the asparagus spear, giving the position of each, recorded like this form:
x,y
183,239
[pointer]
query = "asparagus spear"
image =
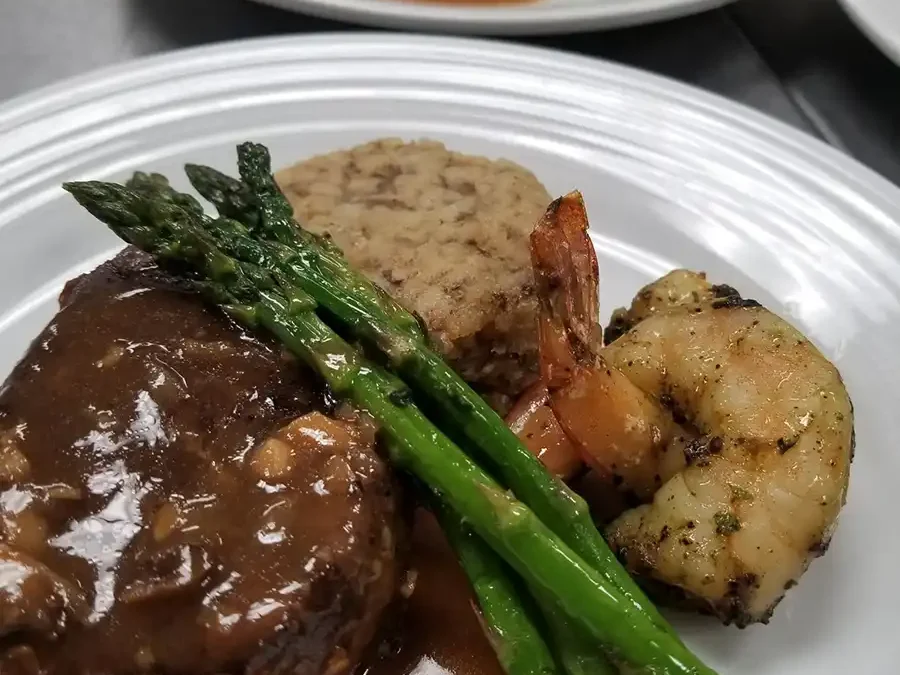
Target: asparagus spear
x,y
512,530
516,640
355,301
270,298
234,199
496,594
508,617
576,652
156,186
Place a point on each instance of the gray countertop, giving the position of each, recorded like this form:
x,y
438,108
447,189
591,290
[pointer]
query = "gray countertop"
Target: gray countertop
x,y
800,61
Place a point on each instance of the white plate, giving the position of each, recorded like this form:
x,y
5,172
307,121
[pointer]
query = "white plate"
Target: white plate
x,y
538,17
671,176
880,20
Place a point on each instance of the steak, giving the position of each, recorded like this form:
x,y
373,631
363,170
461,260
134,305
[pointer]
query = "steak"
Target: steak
x,y
175,497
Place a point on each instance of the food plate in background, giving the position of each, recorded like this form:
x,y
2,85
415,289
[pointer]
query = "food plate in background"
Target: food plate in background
x,y
500,17
672,177
880,21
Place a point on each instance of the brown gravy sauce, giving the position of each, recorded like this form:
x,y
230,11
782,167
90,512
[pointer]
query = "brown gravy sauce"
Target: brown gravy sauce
x,y
439,631
124,333
160,513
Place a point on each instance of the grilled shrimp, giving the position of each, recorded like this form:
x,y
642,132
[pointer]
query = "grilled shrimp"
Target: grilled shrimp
x,y
728,429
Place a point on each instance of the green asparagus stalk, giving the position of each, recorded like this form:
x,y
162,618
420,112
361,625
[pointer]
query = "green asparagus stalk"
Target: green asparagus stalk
x,y
271,299
575,651
507,616
346,294
496,594
232,198
512,530
156,186
516,640
235,200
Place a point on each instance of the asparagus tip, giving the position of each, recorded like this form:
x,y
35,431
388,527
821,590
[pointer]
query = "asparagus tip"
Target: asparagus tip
x,y
254,155
197,170
86,192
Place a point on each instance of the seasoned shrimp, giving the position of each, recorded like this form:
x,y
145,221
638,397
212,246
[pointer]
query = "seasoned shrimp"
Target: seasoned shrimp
x,y
533,421
732,432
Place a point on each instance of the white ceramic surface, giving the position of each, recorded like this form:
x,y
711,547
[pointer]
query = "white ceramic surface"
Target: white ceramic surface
x,y
880,20
671,177
535,17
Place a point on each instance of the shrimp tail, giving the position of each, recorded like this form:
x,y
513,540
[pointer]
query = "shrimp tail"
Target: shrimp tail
x,y
567,281
588,397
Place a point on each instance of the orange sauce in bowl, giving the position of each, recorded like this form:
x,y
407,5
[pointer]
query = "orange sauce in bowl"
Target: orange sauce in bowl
x,y
473,3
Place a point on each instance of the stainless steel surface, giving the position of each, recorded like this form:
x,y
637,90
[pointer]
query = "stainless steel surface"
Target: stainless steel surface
x,y
42,41
839,80
800,61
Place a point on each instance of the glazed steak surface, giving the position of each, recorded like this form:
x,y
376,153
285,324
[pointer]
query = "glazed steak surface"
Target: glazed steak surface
x,y
173,499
